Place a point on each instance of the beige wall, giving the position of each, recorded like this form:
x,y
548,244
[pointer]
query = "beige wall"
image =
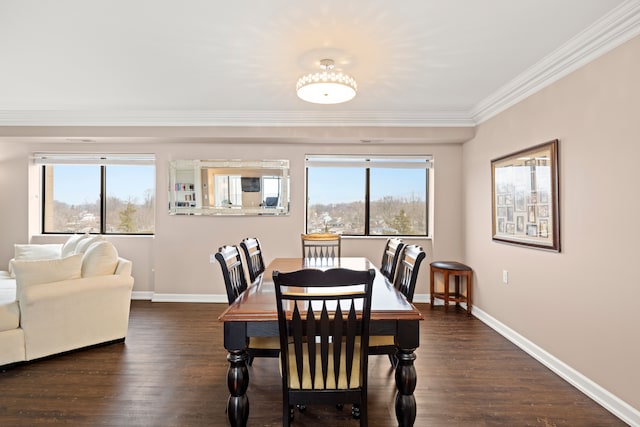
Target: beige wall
x,y
580,305
175,262
13,199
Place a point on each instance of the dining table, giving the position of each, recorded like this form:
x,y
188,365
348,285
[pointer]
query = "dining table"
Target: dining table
x,y
253,314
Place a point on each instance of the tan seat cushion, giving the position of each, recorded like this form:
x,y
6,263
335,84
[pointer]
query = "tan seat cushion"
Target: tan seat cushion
x,y
381,340
266,343
319,384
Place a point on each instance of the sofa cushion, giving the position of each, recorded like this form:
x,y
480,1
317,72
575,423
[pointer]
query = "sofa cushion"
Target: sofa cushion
x,y
37,251
34,251
69,247
100,259
9,311
84,244
7,288
35,272
9,315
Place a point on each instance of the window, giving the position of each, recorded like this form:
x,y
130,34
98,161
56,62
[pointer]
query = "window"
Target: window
x,y
368,196
107,194
228,190
271,190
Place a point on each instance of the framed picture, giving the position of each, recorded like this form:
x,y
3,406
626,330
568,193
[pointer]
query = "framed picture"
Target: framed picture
x,y
532,176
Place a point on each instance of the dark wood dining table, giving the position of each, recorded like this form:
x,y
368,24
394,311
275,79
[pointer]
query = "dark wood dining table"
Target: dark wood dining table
x,y
254,314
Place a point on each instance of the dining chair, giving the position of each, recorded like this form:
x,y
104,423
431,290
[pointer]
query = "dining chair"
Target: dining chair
x,y
232,271
323,320
253,255
405,281
407,270
390,256
321,245
236,283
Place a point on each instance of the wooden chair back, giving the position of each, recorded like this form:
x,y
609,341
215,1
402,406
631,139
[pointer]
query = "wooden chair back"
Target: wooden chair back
x,y
392,251
236,283
253,255
408,268
321,245
232,271
323,319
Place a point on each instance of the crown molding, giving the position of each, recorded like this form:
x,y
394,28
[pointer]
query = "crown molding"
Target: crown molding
x,y
615,28
438,117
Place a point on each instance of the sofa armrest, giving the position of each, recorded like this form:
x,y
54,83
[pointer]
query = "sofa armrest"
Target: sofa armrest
x,y
124,267
10,267
70,314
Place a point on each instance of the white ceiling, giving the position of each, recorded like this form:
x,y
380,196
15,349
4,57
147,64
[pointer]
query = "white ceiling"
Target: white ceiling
x,y
235,63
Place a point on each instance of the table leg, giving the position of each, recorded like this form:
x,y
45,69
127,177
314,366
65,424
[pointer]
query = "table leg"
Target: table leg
x,y
406,379
238,382
407,340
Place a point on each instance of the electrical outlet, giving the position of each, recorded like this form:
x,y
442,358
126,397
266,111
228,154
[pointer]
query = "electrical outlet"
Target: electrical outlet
x,y
212,258
505,276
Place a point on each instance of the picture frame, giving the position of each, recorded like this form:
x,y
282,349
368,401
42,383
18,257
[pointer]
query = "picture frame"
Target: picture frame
x,y
527,181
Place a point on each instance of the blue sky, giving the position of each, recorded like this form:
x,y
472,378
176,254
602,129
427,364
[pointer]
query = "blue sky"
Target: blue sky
x,y
78,184
343,185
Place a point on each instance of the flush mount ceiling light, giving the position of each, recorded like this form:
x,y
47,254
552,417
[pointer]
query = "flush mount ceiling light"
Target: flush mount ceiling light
x,y
327,87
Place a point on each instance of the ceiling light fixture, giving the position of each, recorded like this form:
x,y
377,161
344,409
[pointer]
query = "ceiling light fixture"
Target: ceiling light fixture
x,y
327,87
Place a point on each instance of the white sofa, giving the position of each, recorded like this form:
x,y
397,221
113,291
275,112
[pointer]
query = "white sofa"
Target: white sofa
x,y
56,298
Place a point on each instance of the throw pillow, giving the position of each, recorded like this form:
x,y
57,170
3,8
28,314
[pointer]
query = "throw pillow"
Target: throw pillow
x,y
100,259
69,247
35,272
33,251
37,251
84,244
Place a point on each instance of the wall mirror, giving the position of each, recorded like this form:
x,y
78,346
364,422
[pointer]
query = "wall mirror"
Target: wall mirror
x,y
229,187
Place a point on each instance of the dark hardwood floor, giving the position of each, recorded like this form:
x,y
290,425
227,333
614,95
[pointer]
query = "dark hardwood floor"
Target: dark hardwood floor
x,y
171,371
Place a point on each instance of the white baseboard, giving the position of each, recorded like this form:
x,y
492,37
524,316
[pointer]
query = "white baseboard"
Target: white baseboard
x,y
155,297
142,295
421,298
610,402
189,298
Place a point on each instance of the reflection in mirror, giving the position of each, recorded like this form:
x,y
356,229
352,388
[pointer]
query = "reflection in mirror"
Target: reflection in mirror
x,y
229,187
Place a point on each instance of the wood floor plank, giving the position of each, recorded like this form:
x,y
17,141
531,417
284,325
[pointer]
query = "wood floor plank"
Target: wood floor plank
x,y
171,371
